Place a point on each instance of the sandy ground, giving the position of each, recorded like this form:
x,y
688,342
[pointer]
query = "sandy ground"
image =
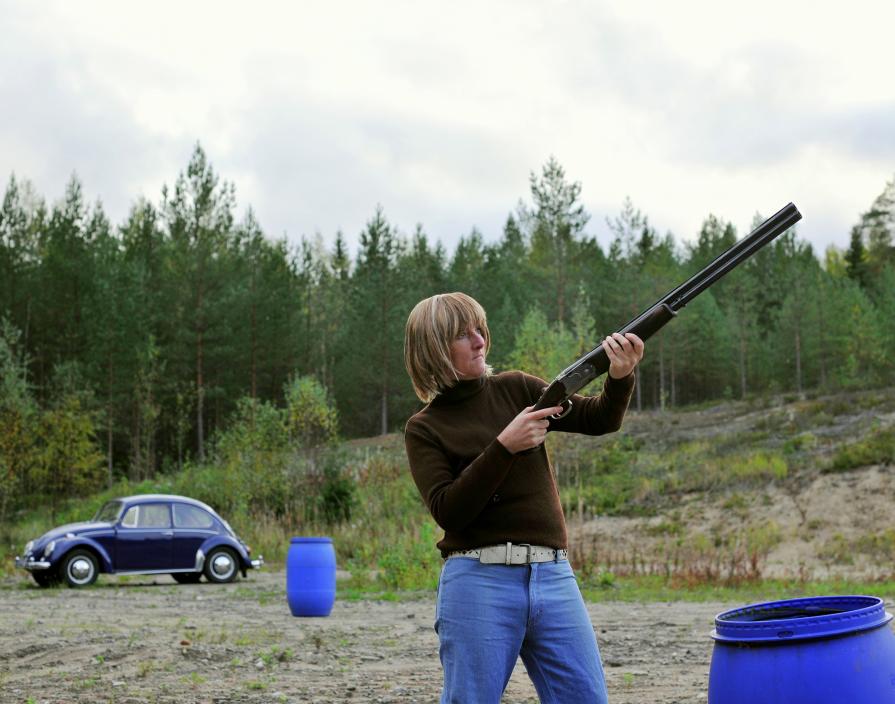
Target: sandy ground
x,y
151,640
850,507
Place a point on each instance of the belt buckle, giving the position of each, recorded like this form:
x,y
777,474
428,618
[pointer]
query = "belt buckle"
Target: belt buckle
x,y
527,547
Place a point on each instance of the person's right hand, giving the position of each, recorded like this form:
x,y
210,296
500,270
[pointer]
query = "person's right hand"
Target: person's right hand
x,y
527,430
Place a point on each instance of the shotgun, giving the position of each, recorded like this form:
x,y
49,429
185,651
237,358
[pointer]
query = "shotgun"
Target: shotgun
x,y
580,373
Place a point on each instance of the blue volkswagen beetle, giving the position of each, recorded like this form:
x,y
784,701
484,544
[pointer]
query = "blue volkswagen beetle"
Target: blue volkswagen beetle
x,y
146,534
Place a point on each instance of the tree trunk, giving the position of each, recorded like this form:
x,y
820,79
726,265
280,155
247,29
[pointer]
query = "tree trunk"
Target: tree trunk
x,y
254,344
27,324
110,436
823,347
560,278
200,400
673,383
798,361
135,468
661,373
385,349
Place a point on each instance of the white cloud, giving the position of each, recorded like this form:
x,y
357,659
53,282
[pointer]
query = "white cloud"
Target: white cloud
x,y
319,112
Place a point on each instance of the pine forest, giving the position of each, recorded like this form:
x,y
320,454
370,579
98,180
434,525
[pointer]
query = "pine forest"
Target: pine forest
x,y
129,350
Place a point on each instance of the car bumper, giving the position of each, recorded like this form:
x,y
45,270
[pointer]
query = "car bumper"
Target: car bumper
x,y
30,564
258,562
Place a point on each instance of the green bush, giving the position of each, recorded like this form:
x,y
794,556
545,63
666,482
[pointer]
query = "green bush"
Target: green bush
x,y
877,448
338,492
311,417
255,426
412,562
758,466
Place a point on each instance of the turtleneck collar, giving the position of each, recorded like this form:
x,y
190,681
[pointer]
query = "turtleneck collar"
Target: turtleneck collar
x,y
462,390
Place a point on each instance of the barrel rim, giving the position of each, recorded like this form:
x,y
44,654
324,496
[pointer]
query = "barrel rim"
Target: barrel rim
x,y
854,613
311,539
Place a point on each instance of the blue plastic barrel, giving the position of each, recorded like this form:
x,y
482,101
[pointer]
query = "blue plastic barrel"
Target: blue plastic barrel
x,y
311,576
817,650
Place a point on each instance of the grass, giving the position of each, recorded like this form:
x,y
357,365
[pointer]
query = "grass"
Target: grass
x,y
654,588
624,478
659,589
876,448
385,537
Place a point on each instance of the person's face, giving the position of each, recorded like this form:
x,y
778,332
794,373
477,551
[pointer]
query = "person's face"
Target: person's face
x,y
468,353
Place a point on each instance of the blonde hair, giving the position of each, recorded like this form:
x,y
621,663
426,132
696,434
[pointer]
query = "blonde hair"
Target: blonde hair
x,y
432,326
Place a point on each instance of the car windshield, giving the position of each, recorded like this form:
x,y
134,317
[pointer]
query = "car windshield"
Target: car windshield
x,y
108,513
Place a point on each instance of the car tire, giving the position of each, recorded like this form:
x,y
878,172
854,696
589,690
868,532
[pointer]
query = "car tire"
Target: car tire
x,y
221,565
186,577
79,568
46,578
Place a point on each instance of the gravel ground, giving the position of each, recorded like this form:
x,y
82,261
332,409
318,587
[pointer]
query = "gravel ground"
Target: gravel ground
x,y
148,639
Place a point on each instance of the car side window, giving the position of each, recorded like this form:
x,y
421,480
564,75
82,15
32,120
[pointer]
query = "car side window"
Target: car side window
x,y
186,516
154,516
130,518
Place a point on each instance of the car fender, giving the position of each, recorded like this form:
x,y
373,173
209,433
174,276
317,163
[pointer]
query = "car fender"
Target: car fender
x,y
219,540
66,545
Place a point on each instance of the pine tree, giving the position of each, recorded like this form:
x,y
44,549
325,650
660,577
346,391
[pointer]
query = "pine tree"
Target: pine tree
x,y
19,420
371,361
199,216
64,280
22,218
466,269
876,230
542,350
505,290
883,296
136,386
555,224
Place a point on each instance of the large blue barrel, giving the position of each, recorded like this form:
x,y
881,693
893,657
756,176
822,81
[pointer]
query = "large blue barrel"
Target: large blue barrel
x,y
817,650
311,576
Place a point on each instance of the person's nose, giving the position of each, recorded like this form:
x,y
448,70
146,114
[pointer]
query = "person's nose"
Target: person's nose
x,y
478,340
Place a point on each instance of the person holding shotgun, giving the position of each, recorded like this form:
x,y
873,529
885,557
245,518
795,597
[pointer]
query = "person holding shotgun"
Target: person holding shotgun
x,y
477,457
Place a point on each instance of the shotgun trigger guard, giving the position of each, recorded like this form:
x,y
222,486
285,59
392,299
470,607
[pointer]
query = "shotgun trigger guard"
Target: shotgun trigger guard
x,y
567,406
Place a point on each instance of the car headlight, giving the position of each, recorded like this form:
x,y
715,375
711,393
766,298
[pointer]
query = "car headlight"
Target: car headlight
x,y
28,546
49,549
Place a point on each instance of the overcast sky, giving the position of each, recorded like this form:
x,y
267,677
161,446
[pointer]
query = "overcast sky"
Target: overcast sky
x,y
439,111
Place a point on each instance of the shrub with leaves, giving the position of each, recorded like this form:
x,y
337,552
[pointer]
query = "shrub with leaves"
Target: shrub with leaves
x,y
876,448
19,419
256,426
70,460
311,416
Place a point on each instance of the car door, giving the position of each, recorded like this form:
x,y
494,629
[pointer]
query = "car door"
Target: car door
x,y
144,538
192,527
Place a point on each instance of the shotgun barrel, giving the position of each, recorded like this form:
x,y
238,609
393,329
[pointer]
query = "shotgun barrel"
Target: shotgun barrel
x,y
584,370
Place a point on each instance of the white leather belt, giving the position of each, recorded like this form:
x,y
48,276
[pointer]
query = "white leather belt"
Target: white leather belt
x,y
510,554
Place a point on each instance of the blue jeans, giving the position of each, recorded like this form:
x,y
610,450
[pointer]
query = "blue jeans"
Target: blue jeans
x,y
488,615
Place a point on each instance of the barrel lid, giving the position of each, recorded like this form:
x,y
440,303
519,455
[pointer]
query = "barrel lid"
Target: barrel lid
x,y
311,539
800,619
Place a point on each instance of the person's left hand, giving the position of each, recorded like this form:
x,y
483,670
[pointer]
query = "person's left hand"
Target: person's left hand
x,y
624,352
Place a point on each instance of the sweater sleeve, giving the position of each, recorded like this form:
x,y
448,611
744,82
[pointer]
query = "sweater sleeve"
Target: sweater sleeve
x,y
591,415
453,500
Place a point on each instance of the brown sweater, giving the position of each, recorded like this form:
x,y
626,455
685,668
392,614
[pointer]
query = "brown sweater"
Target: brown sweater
x,y
478,491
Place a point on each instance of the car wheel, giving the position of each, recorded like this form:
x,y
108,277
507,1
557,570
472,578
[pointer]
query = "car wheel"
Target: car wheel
x,y
221,565
46,578
186,577
79,568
